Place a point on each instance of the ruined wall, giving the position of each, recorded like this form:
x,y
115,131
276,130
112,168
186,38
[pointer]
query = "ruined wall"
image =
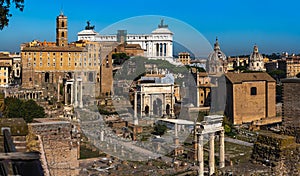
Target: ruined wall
x,y
279,152
61,150
291,107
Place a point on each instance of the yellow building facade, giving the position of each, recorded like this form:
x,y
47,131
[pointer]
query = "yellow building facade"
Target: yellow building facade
x,y
48,65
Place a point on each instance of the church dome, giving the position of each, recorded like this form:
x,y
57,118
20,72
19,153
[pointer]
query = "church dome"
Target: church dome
x,y
255,55
217,54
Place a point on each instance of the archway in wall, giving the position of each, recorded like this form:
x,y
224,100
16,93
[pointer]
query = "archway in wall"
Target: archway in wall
x,y
168,109
157,109
91,77
146,110
47,77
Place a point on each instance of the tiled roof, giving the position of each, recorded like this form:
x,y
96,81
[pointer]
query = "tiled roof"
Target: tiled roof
x,y
54,48
245,77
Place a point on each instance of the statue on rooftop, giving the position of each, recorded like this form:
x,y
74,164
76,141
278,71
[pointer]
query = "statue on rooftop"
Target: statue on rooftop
x,y
162,25
89,27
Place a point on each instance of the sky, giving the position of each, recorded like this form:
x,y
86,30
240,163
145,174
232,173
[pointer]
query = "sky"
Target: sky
x,y
239,24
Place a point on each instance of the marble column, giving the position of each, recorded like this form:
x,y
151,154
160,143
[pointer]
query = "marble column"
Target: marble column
x,y
164,104
150,105
58,92
135,104
142,104
75,93
200,155
222,150
72,93
135,118
80,94
66,93
102,136
211,153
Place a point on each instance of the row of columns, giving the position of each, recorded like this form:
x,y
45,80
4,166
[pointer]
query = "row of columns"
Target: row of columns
x,y
211,153
36,95
161,49
74,88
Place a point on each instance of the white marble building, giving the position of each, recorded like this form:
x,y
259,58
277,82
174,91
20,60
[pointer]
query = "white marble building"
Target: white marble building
x,y
157,45
155,97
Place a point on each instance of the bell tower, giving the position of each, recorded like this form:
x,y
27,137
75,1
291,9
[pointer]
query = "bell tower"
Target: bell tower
x,y
61,30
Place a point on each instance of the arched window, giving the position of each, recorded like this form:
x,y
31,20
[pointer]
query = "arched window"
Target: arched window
x,y
63,24
63,34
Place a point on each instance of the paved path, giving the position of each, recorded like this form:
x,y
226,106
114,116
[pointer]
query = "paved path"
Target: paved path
x,y
236,141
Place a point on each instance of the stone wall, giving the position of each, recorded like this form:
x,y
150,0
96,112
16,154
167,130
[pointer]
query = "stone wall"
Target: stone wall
x,y
291,107
247,107
280,152
61,149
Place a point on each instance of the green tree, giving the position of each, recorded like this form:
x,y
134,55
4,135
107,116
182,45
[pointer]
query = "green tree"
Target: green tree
x,y
13,108
5,8
119,58
16,108
32,110
160,129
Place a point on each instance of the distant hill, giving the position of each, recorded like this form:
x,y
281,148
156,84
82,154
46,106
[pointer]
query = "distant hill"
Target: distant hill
x,y
177,48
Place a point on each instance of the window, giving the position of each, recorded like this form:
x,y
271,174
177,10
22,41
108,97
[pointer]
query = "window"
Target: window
x,y
253,91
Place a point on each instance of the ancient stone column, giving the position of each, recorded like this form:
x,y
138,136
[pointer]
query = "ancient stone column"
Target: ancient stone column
x,y
200,155
176,129
80,94
102,136
75,93
222,150
135,118
164,104
72,94
66,94
150,105
141,104
211,153
58,92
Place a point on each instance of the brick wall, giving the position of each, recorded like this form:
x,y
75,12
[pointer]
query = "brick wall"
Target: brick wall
x,y
61,150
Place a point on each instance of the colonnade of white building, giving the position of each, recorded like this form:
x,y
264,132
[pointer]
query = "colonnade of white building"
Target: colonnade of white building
x,y
157,45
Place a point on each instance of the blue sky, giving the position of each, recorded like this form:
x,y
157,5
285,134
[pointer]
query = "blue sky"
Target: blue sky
x,y
239,24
